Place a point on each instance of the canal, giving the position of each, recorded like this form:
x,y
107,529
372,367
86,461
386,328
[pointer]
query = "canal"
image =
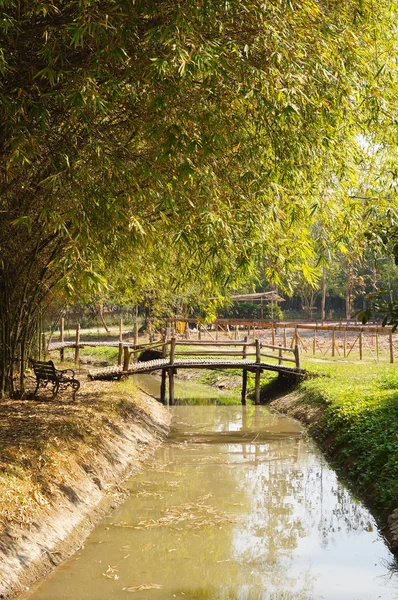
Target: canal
x,y
238,504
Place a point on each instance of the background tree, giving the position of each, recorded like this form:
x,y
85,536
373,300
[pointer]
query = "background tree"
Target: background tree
x,y
197,132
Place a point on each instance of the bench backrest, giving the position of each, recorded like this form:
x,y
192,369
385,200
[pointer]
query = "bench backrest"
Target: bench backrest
x,y
44,370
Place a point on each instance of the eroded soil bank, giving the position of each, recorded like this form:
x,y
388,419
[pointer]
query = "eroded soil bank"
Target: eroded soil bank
x,y
61,468
297,405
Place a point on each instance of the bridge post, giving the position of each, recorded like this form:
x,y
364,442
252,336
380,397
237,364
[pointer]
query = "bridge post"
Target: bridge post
x,y
258,373
257,387
280,356
163,387
244,374
171,371
297,356
120,354
126,358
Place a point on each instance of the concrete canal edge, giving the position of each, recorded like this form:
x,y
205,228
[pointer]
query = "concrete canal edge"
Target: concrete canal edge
x,y
87,493
310,416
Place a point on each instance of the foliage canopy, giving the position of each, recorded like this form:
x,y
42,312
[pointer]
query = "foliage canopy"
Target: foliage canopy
x,y
160,142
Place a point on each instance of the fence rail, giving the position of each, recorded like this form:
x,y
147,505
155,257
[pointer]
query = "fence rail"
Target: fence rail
x,y
337,340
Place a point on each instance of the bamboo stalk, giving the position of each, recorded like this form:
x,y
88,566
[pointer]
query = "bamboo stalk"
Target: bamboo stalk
x,y
44,345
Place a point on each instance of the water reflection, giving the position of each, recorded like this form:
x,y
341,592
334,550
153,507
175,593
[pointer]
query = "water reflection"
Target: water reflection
x,y
237,505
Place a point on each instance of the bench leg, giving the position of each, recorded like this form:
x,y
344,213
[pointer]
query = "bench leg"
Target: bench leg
x,y
35,392
55,389
76,386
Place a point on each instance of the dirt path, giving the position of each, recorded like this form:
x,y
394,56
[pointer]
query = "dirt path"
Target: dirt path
x,y
61,468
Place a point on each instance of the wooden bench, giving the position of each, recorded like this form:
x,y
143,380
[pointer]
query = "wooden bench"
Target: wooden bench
x,y
46,374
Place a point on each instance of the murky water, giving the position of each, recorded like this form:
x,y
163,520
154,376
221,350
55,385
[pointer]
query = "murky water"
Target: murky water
x,y
237,505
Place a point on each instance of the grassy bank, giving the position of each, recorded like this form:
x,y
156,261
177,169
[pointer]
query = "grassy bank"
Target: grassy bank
x,y
352,411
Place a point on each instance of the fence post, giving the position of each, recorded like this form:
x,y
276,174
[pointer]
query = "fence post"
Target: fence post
x,y
333,341
280,357
258,351
77,342
126,358
345,342
61,337
294,338
391,349
377,344
361,343
297,356
314,342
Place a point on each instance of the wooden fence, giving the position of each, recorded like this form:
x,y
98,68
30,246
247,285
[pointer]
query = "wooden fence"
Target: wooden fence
x,y
335,340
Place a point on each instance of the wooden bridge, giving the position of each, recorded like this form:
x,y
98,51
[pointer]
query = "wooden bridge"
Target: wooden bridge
x,y
208,355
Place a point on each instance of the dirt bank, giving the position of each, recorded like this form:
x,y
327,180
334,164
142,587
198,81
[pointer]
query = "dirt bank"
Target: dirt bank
x,y
295,405
61,468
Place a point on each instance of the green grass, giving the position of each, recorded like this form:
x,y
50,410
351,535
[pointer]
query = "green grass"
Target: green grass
x,y
96,355
359,422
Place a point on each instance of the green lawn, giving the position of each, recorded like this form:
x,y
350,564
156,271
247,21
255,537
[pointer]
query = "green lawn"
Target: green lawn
x,y
359,422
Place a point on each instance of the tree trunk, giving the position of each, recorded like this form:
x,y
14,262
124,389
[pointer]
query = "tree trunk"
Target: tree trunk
x,y
101,316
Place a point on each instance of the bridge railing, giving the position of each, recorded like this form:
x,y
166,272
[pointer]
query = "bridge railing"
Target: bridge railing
x,y
173,348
